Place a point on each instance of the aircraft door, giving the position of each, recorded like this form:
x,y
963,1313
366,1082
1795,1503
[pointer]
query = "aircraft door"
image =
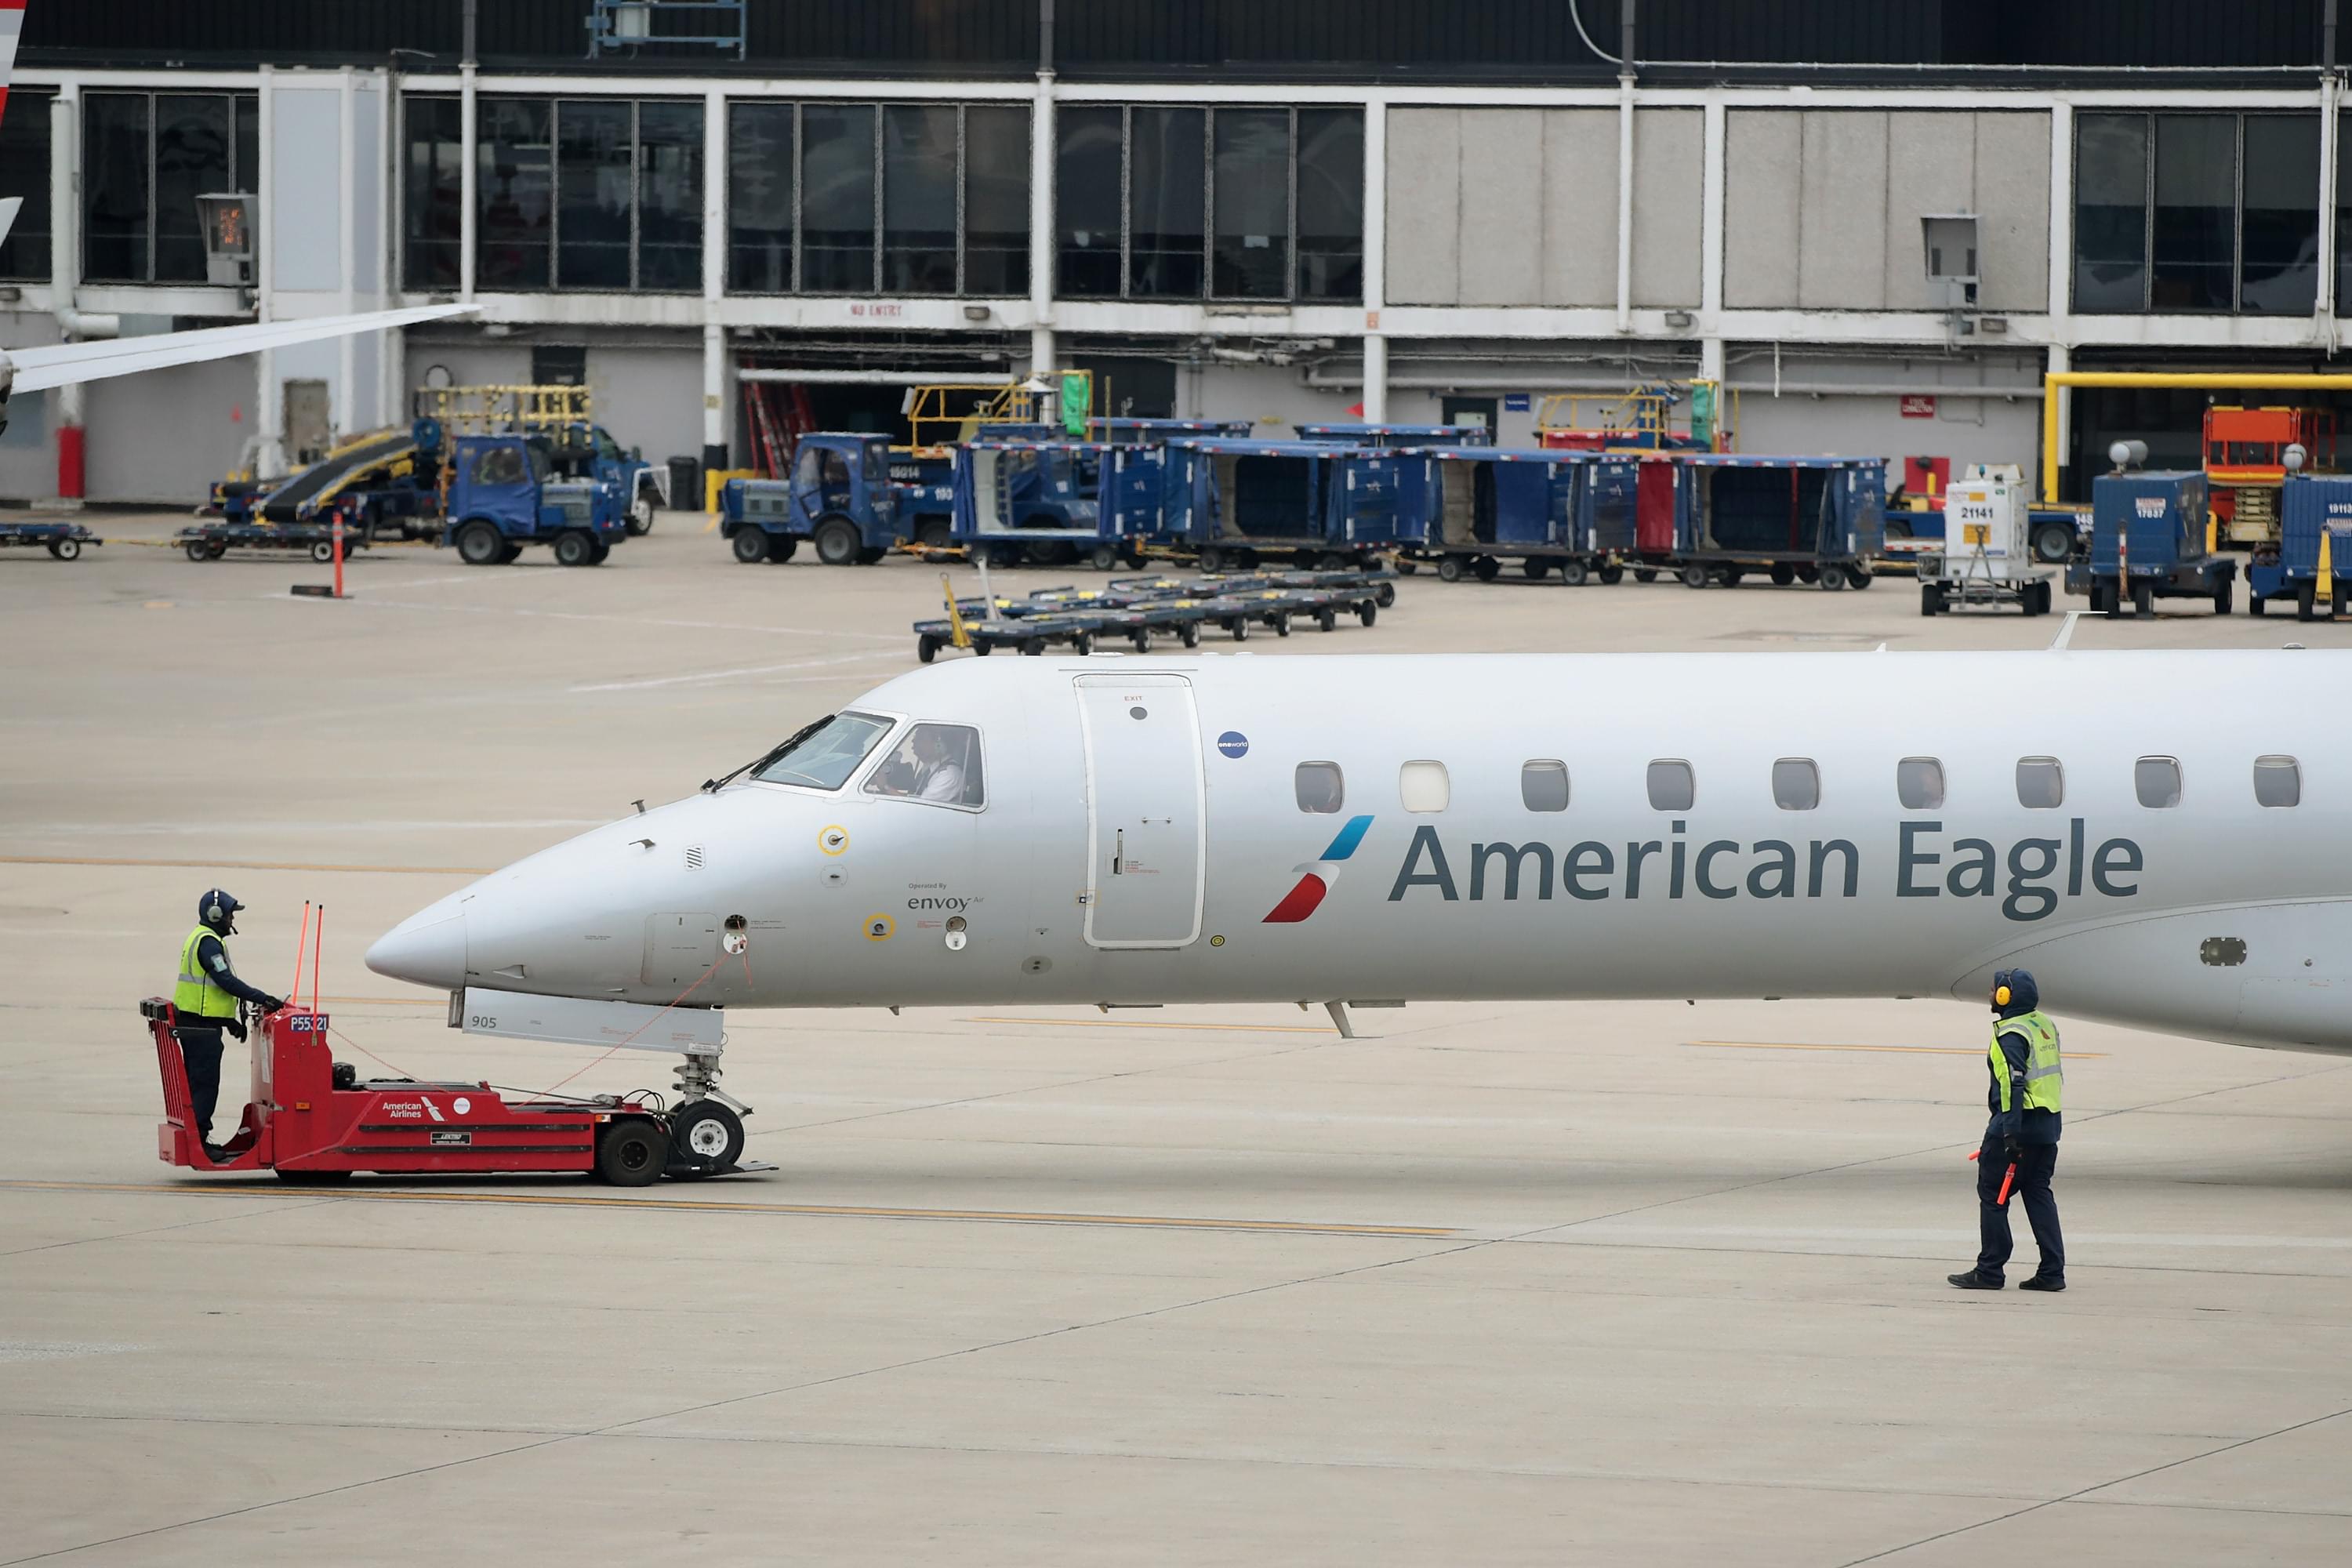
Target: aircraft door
x,y
1146,812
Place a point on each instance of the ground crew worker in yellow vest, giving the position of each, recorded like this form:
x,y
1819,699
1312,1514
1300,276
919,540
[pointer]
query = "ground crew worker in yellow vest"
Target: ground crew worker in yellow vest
x,y
205,1002
2027,1080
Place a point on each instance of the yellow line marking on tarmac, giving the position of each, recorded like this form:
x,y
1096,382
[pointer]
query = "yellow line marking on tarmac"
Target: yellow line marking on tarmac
x,y
1902,1050
241,865
1147,1023
711,1205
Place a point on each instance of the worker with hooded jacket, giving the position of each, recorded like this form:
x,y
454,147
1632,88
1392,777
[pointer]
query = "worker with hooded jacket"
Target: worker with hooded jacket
x,y
204,1003
2027,1079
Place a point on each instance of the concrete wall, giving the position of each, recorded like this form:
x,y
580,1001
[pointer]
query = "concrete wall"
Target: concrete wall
x,y
1822,207
1273,396
1518,206
1966,428
650,397
165,435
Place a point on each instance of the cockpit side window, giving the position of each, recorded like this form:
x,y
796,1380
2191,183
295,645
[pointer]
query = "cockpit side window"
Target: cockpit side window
x,y
936,763
824,756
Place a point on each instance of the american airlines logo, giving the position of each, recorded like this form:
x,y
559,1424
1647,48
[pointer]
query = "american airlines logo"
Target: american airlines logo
x,y
1316,876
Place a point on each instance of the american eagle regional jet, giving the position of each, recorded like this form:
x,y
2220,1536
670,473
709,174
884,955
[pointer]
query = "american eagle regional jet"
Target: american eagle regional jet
x,y
2169,848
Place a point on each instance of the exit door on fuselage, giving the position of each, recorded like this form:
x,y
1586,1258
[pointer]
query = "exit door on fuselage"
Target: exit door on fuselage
x,y
1146,814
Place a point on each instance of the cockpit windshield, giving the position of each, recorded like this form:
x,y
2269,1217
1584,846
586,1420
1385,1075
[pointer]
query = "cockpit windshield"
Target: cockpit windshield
x,y
824,756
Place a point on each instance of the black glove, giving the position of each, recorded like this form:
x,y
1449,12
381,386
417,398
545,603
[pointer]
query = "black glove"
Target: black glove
x,y
237,1027
272,1004
2011,1149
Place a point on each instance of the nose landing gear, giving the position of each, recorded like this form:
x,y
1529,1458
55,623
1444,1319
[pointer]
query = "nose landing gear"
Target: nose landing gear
x,y
706,1130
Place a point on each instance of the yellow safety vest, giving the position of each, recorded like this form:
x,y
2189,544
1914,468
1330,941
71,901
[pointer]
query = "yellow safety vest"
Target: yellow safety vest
x,y
196,996
2046,1075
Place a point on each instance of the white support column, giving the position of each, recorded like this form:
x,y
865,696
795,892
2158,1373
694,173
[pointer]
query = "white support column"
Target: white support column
x,y
343,410
1625,199
2330,150
1041,225
467,151
391,357
268,458
715,453
1711,201
1376,261
2062,270
65,274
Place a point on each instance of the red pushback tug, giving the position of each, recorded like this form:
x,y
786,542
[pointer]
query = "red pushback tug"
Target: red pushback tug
x,y
312,1118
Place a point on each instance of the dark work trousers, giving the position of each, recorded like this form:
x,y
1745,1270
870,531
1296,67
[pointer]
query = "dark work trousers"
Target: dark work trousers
x,y
2034,1164
200,1050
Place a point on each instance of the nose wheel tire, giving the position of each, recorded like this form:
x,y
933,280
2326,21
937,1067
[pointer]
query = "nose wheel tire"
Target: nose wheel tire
x,y
706,1138
630,1152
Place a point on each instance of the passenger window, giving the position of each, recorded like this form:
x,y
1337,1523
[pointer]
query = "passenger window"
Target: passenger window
x,y
2278,781
1672,787
1423,786
1920,783
498,466
2157,781
1543,786
2040,783
937,762
1319,787
1796,784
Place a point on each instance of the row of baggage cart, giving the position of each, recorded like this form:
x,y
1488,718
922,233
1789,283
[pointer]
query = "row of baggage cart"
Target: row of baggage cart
x,y
1330,498
1141,611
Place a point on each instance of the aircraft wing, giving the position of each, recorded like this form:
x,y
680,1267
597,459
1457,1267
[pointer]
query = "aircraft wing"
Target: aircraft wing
x,y
38,369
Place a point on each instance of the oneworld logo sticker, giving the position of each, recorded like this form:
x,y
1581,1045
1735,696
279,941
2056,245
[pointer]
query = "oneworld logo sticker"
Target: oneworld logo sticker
x,y
1316,878
1233,743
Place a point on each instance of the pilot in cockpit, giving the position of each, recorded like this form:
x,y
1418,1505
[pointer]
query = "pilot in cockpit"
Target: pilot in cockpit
x,y
925,766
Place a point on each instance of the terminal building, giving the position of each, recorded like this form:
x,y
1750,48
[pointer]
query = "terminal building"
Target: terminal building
x,y
1876,223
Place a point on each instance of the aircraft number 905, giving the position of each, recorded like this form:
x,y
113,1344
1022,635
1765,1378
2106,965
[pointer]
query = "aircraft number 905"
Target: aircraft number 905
x,y
480,1021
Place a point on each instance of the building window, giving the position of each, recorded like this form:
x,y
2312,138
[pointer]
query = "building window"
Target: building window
x,y
762,164
1920,783
2196,213
146,157
1159,202
432,201
24,172
592,193
2157,781
856,198
1672,787
1330,204
1796,784
1423,786
1543,786
1319,787
2040,783
2278,782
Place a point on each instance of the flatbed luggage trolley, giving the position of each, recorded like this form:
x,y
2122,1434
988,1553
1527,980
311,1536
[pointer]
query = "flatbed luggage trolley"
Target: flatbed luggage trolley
x,y
211,541
1819,520
1547,510
1307,504
312,1118
62,539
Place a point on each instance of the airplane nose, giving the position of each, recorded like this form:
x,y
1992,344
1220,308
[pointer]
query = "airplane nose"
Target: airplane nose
x,y
429,949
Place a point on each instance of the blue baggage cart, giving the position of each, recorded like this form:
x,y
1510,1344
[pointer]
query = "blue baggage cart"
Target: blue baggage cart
x,y
1127,432
1238,503
1543,508
1812,520
1025,502
2315,514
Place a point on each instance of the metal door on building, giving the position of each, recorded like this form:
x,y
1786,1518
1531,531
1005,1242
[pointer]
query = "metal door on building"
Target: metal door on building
x,y
1146,810
309,421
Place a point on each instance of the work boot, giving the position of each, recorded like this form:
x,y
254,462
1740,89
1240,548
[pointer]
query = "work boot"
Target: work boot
x,y
1972,1281
2044,1282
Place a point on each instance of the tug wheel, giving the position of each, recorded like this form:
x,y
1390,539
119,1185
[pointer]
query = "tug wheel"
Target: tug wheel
x,y
751,545
708,1134
630,1152
479,544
